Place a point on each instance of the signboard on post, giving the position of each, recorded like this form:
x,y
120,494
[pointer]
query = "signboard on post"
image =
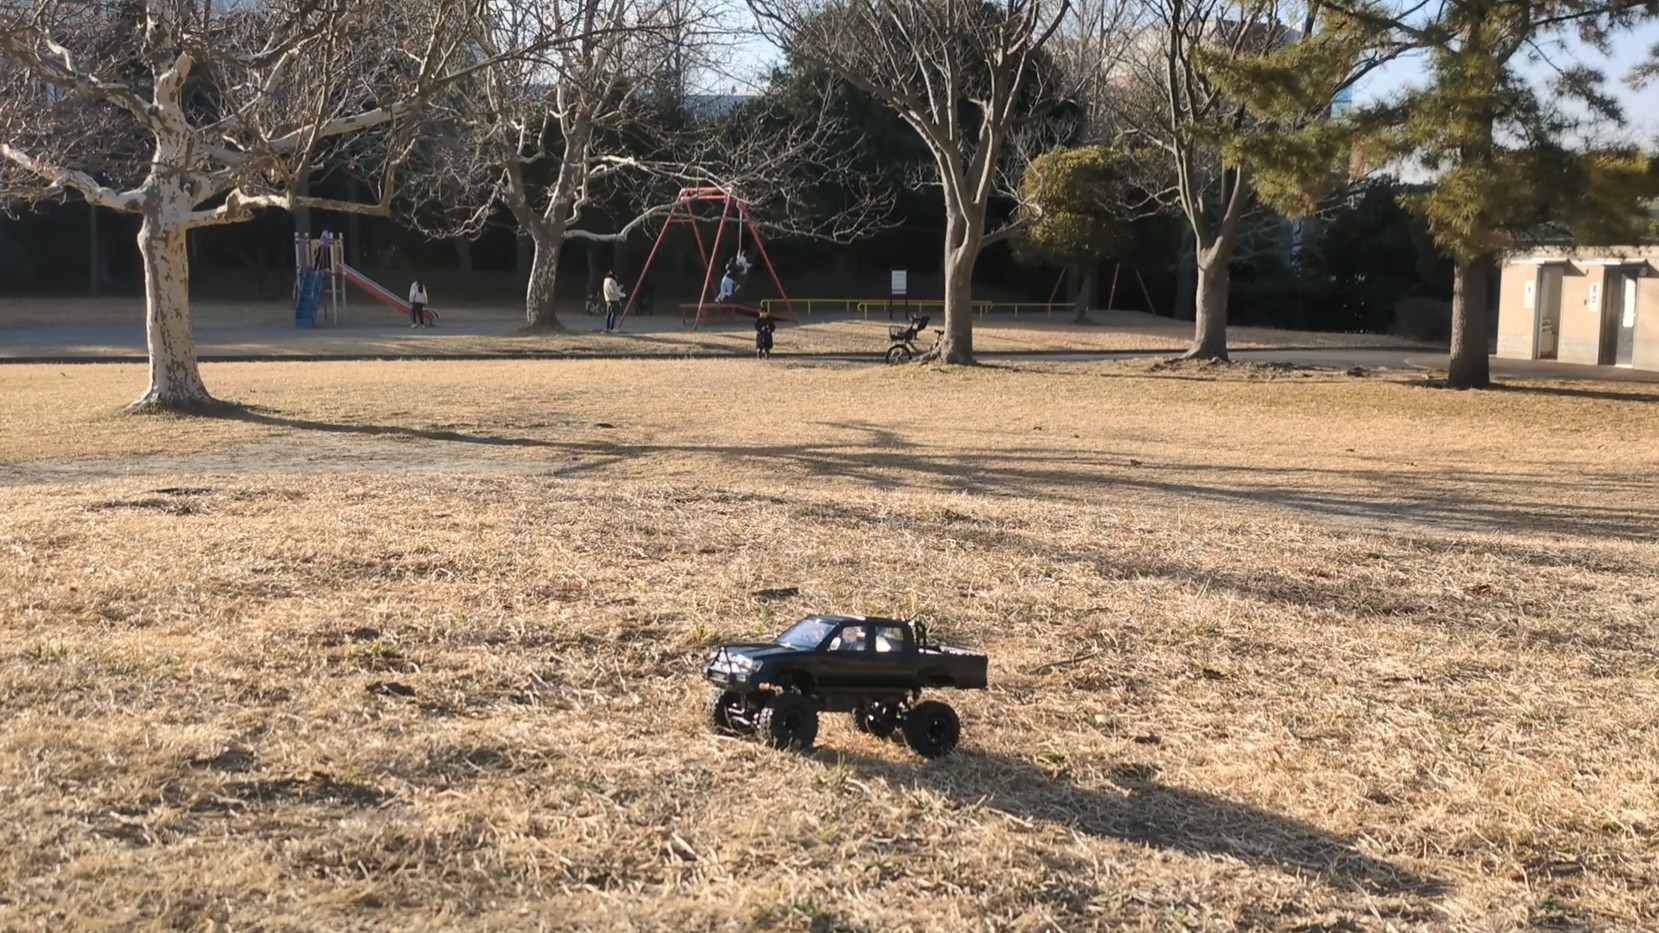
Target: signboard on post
x,y
901,289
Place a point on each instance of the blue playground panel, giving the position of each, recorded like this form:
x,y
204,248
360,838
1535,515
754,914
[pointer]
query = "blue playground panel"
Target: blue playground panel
x,y
309,300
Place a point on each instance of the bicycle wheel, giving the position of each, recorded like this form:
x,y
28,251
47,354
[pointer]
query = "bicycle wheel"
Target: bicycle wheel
x,y
898,354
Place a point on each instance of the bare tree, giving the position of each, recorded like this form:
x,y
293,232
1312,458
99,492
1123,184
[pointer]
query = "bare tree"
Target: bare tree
x,y
601,129
193,113
1221,99
970,78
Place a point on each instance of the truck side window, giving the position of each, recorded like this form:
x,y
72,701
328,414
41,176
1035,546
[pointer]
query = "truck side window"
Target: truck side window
x,y
889,639
852,638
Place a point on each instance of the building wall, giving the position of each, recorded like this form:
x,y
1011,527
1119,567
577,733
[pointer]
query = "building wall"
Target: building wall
x,y
1580,320
1647,322
1517,324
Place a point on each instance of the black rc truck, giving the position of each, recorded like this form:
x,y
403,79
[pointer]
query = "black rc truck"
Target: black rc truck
x,y
873,668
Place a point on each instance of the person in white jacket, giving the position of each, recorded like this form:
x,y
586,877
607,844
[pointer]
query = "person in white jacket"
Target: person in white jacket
x,y
613,301
417,304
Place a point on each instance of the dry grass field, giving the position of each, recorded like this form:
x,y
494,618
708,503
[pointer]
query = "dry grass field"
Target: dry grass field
x,y
414,646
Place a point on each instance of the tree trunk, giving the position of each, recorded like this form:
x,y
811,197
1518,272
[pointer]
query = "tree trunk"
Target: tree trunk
x,y
1186,281
1209,339
544,275
302,214
962,239
596,266
1085,291
1470,367
354,227
548,230
463,254
96,280
957,344
175,381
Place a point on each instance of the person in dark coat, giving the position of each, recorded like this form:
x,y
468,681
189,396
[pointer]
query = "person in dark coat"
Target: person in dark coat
x,y
764,326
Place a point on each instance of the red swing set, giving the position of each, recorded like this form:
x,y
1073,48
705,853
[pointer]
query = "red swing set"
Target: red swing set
x,y
683,212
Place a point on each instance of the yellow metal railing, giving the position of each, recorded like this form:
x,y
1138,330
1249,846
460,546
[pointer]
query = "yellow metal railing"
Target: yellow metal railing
x,y
806,307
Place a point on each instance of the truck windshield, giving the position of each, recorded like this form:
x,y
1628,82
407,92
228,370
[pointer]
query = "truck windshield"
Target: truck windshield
x,y
807,634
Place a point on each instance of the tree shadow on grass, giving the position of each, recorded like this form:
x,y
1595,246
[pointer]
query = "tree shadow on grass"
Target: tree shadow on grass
x,y
1513,500
252,415
1605,395
1145,811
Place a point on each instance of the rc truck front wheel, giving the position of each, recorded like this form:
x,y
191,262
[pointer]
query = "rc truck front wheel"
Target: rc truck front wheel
x,y
932,729
718,712
789,721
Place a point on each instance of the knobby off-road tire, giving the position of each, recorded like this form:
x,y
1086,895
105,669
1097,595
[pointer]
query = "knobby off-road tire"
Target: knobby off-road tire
x,y
789,721
899,354
932,729
878,719
717,712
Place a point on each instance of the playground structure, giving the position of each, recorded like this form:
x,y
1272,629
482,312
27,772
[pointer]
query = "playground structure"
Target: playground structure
x,y
1111,297
320,279
319,295
733,208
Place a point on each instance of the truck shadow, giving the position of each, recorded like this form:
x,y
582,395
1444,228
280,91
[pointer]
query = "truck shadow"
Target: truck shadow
x,y
1139,809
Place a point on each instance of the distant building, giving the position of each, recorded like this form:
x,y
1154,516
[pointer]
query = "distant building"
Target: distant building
x,y
1595,306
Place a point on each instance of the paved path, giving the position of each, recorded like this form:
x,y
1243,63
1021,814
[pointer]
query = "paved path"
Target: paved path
x,y
124,344
1405,358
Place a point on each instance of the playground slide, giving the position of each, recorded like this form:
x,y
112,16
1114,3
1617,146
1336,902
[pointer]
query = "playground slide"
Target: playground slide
x,y
374,288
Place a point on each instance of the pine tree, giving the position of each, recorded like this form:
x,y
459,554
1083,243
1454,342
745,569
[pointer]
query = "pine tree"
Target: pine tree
x,y
1076,195
1499,148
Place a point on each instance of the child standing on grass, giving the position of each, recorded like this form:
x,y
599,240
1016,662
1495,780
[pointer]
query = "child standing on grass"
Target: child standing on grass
x,y
417,304
613,302
764,326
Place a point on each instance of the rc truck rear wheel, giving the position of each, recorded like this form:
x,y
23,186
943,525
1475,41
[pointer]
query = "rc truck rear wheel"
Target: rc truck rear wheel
x,y
932,729
789,721
878,719
718,712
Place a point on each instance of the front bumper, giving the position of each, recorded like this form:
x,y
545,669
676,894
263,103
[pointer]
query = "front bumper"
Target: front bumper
x,y
730,678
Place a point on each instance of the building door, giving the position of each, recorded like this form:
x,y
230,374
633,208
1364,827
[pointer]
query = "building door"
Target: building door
x,y
1625,353
1547,301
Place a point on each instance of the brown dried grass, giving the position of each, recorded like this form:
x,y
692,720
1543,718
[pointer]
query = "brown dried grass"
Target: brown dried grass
x,y
1334,653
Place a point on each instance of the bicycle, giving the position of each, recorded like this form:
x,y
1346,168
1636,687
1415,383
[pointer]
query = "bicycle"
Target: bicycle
x,y
903,349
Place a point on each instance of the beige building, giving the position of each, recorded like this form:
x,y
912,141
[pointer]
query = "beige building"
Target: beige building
x,y
1595,306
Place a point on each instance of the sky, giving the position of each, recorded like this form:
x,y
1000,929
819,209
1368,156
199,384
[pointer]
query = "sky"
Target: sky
x,y
1641,107
746,66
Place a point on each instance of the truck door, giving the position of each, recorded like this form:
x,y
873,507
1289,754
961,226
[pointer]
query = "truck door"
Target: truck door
x,y
893,657
846,657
